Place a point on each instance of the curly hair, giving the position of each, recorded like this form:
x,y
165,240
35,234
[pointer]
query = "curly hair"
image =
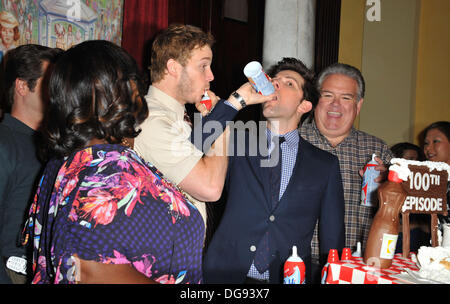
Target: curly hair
x,y
95,92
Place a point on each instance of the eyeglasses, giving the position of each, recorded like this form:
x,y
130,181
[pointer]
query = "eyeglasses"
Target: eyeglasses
x,y
329,97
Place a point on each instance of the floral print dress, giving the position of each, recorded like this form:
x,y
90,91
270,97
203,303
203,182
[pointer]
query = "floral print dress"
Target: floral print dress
x,y
105,204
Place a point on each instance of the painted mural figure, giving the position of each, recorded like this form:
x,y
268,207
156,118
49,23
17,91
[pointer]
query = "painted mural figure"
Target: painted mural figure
x,y
42,22
9,31
60,34
69,38
28,29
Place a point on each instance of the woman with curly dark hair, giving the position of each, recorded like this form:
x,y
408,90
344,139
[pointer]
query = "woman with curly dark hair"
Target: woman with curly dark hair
x,y
101,214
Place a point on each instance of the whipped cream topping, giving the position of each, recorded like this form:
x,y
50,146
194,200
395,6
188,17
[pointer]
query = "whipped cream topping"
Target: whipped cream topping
x,y
439,166
433,261
402,171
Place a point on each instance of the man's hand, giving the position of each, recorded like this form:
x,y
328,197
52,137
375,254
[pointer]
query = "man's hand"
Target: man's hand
x,y
380,167
202,107
250,96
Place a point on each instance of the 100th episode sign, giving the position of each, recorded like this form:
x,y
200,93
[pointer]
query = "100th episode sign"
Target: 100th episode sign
x,y
426,190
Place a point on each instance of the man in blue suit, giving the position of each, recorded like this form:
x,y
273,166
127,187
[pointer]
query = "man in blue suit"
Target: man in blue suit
x,y
276,196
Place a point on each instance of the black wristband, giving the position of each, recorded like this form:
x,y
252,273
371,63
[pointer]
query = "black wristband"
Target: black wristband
x,y
239,98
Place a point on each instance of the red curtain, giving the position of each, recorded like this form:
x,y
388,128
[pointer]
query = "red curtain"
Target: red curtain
x,y
142,19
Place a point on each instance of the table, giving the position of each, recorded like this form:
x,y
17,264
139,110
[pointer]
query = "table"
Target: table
x,y
355,271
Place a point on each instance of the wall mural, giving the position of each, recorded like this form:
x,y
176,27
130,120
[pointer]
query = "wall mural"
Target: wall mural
x,y
58,23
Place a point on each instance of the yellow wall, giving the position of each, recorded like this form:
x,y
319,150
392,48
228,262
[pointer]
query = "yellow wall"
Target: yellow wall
x,y
405,59
389,68
433,65
352,34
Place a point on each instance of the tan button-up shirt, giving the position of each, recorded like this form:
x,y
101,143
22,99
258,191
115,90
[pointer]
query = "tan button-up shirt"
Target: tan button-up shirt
x,y
164,140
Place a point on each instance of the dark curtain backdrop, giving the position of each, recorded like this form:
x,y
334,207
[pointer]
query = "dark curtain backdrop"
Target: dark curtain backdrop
x,y
328,17
142,19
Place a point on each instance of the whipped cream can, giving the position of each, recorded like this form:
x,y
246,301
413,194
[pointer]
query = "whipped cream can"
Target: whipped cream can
x,y
369,186
206,100
258,78
294,269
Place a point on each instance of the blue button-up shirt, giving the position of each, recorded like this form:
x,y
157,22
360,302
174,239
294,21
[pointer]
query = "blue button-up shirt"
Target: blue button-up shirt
x,y
289,150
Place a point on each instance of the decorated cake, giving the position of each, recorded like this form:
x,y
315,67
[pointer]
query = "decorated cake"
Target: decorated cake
x,y
426,189
426,186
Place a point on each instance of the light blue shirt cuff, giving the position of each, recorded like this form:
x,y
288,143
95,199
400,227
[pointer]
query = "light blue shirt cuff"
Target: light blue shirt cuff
x,y
230,104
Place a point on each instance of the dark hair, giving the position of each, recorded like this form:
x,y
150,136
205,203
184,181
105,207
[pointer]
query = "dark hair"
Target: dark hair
x,y
25,63
344,69
443,126
399,148
95,92
296,65
176,42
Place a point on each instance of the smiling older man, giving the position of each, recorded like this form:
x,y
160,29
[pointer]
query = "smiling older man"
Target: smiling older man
x,y
341,88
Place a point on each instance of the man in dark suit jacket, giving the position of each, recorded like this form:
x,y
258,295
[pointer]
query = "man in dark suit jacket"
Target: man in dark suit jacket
x,y
263,220
26,71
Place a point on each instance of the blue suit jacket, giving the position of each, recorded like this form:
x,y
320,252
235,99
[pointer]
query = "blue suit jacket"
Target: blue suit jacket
x,y
314,193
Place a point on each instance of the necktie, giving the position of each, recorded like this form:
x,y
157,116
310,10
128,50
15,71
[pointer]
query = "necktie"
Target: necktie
x,y
275,172
262,256
187,119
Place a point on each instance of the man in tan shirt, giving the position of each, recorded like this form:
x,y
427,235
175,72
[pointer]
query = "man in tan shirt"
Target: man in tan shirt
x,y
181,73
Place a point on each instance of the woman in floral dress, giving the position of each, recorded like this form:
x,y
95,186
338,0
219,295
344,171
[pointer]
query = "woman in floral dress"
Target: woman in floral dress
x,y
101,214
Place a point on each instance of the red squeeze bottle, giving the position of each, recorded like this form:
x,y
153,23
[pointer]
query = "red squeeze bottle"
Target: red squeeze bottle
x,y
346,254
333,257
206,100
